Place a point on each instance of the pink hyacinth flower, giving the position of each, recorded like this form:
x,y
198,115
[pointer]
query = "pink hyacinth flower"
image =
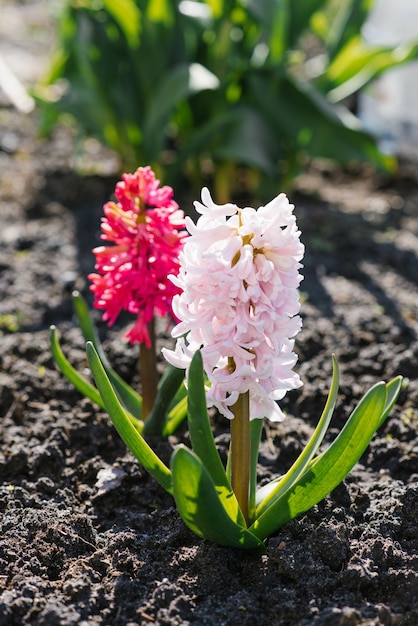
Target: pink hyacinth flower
x,y
146,227
239,301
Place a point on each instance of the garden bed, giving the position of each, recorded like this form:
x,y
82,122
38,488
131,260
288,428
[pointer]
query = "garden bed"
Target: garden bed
x,y
77,550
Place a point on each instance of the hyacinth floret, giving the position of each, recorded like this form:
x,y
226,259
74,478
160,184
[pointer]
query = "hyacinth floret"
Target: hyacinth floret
x,y
146,228
238,302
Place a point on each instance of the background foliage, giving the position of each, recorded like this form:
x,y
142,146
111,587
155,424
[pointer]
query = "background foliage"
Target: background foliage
x,y
246,89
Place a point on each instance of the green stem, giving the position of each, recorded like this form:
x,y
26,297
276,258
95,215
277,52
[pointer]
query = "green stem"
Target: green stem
x,y
149,376
256,428
241,452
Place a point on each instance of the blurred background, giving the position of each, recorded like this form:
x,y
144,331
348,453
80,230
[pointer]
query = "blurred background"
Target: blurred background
x,y
238,93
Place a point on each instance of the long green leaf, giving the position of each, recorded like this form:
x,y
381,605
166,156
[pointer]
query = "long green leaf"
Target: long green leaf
x,y
79,382
175,417
167,389
246,140
325,131
347,23
275,490
174,87
274,20
301,14
358,65
132,438
201,508
326,471
127,15
131,401
202,440
392,392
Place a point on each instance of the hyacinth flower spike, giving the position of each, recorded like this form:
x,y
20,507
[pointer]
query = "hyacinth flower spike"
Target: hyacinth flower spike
x,y
249,262
145,228
238,306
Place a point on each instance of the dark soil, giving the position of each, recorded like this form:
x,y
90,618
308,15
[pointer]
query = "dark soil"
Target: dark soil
x,y
74,550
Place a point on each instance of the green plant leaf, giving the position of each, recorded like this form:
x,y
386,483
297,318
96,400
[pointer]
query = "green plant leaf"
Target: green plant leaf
x,y
392,392
131,401
217,7
79,382
175,416
346,24
247,140
357,65
202,440
174,87
127,14
160,11
128,433
328,469
274,490
296,112
301,14
200,506
274,20
168,387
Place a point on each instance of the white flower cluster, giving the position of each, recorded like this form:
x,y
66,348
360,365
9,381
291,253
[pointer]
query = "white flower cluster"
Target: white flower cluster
x,y
239,302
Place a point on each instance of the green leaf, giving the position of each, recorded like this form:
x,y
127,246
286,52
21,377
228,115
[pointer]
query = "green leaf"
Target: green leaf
x,y
327,470
274,21
160,11
132,438
174,87
217,7
246,140
301,14
274,491
200,506
175,416
347,24
167,389
392,392
79,382
131,401
202,440
302,117
357,65
128,16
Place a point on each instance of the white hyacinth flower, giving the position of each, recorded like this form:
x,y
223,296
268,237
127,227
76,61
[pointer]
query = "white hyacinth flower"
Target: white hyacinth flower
x,y
239,278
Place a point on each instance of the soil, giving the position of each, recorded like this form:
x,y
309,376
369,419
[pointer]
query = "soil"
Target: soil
x,y
79,549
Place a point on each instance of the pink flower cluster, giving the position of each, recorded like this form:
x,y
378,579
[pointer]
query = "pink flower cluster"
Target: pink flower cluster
x,y
239,301
147,230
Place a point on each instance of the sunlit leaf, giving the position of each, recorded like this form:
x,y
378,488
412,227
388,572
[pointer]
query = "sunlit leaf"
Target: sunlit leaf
x,y
176,86
327,470
296,111
79,382
160,11
132,438
274,490
168,388
357,65
202,440
127,14
128,396
347,23
200,506
301,14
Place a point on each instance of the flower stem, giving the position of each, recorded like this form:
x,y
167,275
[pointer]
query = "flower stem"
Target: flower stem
x,y
148,369
241,452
